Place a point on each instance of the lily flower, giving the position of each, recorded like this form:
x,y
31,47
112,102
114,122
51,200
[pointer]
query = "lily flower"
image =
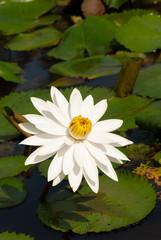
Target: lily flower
x,y
71,132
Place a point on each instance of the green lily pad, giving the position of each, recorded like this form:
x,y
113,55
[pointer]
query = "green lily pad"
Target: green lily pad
x,y
15,236
89,67
66,82
122,18
115,3
43,167
12,166
141,33
43,37
116,205
148,82
18,16
150,117
127,109
94,35
12,192
8,72
22,104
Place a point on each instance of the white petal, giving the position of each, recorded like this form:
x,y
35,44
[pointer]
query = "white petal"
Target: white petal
x,y
35,158
107,125
79,153
62,103
75,177
53,146
54,129
38,119
58,179
97,137
68,160
58,114
38,140
98,111
114,152
69,140
115,160
98,154
93,185
75,103
56,165
90,166
110,172
86,106
53,90
29,128
39,104
118,141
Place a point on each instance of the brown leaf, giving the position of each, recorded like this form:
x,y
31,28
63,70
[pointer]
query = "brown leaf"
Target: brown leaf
x,y
93,7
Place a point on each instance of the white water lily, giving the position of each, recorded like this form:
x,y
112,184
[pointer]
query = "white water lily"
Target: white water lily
x,y
72,132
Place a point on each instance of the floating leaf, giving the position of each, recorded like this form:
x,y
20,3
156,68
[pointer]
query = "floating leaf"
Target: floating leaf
x,y
94,34
14,236
115,3
122,18
148,83
139,151
18,16
150,117
43,167
22,104
12,192
126,109
141,33
12,166
8,72
43,37
90,67
117,204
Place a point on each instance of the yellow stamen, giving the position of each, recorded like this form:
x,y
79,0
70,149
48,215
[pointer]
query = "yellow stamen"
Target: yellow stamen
x,y
80,127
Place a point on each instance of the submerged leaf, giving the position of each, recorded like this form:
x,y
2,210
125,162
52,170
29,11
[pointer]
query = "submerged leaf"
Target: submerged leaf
x,y
117,204
12,192
43,37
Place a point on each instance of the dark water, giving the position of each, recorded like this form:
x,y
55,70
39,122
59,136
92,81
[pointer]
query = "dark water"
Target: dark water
x,y
23,218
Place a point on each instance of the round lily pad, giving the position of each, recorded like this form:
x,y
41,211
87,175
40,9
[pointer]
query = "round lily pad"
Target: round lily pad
x,y
15,236
12,192
116,205
12,166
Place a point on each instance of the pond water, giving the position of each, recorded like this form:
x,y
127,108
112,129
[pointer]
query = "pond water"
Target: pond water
x,y
23,218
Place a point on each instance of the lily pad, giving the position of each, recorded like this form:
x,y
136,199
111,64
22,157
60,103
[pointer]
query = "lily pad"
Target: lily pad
x,y
18,16
117,204
89,67
94,35
8,72
12,192
150,117
127,109
12,166
66,82
15,236
148,82
22,104
43,167
44,37
141,33
115,3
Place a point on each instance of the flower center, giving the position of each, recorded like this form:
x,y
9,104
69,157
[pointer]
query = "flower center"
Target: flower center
x,y
80,127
